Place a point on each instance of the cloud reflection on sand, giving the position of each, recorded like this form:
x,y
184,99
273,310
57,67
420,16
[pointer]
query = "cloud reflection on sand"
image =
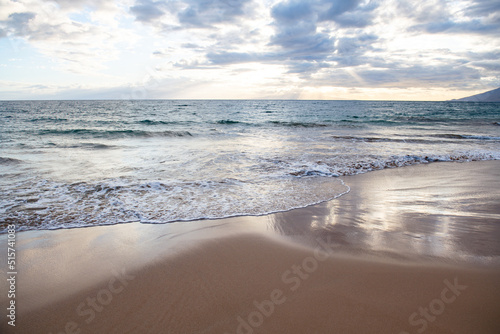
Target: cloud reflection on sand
x,y
416,210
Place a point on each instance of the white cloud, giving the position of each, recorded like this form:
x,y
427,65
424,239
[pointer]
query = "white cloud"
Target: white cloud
x,y
80,47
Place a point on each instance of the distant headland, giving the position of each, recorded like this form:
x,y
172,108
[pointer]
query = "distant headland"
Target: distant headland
x,y
489,96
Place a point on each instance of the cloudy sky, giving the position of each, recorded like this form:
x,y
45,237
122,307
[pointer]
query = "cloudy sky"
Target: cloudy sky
x,y
224,49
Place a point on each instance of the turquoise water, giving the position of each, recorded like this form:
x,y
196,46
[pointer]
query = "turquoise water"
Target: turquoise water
x,y
79,163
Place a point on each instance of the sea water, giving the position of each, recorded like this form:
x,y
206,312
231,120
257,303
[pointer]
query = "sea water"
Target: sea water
x,y
79,163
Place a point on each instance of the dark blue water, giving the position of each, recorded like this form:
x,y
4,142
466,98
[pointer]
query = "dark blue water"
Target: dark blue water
x,y
78,163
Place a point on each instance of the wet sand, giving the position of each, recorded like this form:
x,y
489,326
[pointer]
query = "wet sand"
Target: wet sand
x,y
409,250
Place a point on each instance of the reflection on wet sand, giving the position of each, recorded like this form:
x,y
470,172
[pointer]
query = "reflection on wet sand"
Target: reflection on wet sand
x,y
445,210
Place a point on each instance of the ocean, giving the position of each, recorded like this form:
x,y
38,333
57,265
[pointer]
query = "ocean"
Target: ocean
x,y
67,164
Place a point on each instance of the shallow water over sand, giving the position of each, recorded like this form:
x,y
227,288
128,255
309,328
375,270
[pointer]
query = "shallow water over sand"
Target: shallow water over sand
x,y
444,210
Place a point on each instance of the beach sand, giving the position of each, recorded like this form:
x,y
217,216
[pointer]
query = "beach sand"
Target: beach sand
x,y
408,250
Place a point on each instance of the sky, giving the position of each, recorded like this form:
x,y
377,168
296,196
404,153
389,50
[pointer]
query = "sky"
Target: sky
x,y
248,49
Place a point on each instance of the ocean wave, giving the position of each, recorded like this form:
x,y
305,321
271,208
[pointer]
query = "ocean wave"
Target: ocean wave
x,y
229,122
383,139
456,136
298,124
314,172
120,201
274,123
96,146
367,164
48,119
88,146
481,137
151,122
362,120
292,184
9,161
419,140
116,133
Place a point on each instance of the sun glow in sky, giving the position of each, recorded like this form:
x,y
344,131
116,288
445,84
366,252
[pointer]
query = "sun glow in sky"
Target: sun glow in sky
x,y
248,49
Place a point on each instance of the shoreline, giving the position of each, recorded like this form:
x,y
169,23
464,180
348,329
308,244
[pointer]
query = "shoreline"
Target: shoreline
x,y
393,244
319,203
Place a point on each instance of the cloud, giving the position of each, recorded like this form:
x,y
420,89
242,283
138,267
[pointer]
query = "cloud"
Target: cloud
x,y
484,8
302,41
339,7
78,47
349,13
297,43
488,65
190,46
474,26
205,13
304,31
307,30
486,61
305,68
400,75
422,11
296,32
488,55
75,4
191,13
292,11
18,24
225,58
478,17
345,13
147,10
351,50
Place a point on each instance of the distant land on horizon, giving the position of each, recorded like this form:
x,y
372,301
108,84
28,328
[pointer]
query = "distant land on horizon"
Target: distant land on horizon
x,y
489,96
